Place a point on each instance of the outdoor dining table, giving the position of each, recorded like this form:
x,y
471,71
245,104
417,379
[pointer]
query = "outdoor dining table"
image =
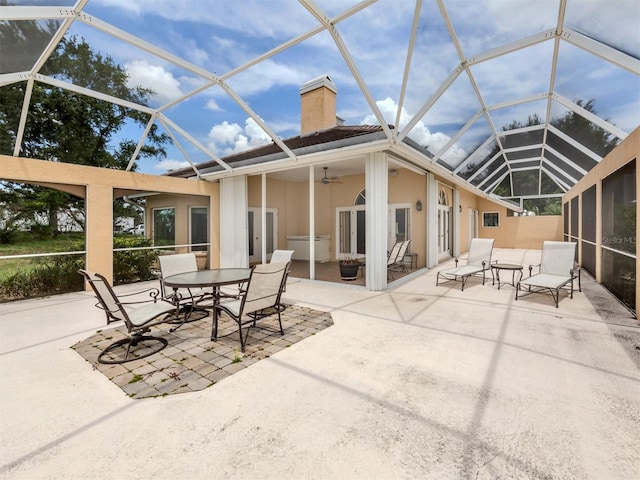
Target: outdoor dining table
x,y
214,278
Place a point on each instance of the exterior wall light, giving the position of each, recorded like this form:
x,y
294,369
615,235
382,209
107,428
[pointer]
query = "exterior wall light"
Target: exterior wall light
x,y
419,205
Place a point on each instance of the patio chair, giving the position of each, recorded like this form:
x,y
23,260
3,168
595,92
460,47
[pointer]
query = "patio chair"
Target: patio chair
x,y
556,270
478,262
186,298
262,293
397,264
279,256
138,317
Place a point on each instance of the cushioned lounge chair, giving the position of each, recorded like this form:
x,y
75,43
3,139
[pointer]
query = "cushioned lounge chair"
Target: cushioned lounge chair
x,y
478,262
138,317
556,271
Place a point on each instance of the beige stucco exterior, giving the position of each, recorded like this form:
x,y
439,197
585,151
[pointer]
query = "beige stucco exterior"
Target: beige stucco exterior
x,y
99,187
317,110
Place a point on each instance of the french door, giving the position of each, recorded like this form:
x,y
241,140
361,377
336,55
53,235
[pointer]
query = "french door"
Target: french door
x,y
351,228
255,233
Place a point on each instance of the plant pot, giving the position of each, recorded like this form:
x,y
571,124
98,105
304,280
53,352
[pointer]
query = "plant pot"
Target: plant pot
x,y
348,270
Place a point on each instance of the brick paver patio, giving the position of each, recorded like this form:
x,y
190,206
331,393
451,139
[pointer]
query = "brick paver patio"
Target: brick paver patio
x,y
193,362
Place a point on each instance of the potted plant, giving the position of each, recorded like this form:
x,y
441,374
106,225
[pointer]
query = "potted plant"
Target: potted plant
x,y
349,268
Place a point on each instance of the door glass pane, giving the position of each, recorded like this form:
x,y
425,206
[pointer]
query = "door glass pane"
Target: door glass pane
x,y
250,230
164,231
199,229
345,232
269,233
361,234
402,224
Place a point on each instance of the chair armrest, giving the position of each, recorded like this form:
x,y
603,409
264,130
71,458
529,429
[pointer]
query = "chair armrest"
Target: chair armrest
x,y
154,293
531,267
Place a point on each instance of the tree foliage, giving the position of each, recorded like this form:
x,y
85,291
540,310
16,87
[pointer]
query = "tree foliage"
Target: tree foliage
x,y
63,126
535,181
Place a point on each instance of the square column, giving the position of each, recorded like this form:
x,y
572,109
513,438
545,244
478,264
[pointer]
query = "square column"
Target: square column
x,y
234,248
377,218
99,230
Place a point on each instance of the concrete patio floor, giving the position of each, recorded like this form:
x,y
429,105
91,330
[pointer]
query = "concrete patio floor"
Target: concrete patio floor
x,y
418,381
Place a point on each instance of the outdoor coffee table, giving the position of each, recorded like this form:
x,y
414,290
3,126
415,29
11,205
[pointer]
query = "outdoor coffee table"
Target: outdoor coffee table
x,y
513,267
214,278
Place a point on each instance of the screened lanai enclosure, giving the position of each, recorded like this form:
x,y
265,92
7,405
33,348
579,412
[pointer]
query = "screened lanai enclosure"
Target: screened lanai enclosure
x,y
517,98
513,100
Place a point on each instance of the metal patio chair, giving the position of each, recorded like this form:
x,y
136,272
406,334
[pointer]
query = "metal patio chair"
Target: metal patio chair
x,y
556,271
478,262
186,299
138,318
262,293
397,264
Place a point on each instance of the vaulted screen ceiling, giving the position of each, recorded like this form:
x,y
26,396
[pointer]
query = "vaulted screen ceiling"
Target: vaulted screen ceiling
x,y
517,98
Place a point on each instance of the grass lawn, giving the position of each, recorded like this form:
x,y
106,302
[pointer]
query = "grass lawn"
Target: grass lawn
x,y
27,245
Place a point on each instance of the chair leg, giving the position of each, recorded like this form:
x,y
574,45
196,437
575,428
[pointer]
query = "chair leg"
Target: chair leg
x,y
280,322
241,337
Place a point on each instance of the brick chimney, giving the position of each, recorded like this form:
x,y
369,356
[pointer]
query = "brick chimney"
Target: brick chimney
x,y
318,105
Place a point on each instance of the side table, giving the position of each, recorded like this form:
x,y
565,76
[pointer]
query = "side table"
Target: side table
x,y
509,267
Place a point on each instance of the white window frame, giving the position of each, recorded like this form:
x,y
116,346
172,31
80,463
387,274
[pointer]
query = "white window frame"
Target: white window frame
x,y
484,224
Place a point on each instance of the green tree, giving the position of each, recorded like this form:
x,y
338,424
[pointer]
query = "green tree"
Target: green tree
x,y
63,126
576,126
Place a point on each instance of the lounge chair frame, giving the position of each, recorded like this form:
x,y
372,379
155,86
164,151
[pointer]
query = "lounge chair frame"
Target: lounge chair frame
x,y
556,271
478,262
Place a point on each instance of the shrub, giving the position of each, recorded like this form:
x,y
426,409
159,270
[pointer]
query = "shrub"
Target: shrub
x,y
59,274
132,265
7,235
49,275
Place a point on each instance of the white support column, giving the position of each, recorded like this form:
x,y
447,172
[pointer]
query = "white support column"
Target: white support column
x,y
263,218
432,221
234,250
456,223
376,218
312,225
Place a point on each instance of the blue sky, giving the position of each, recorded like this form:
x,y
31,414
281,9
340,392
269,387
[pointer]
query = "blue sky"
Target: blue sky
x,y
220,36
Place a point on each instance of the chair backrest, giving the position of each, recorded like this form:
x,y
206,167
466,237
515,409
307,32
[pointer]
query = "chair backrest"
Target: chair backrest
x,y
279,256
106,296
178,263
557,257
480,250
403,250
174,265
264,287
393,255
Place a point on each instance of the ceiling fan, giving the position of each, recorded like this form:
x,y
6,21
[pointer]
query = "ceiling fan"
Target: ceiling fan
x,y
327,180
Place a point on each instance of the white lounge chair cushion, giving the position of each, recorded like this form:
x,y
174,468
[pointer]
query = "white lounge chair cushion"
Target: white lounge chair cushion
x,y
546,280
463,271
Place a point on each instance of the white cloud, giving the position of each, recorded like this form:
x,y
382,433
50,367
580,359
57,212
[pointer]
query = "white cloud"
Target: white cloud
x,y
420,132
227,138
169,164
162,82
212,105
